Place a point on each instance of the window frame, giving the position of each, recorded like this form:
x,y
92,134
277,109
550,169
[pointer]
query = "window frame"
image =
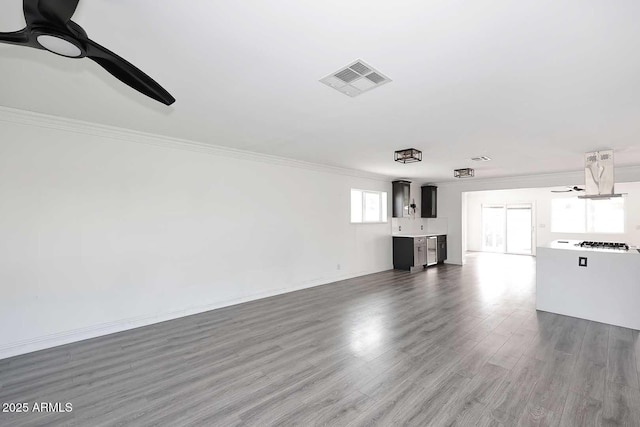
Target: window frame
x,y
624,216
383,217
588,226
552,216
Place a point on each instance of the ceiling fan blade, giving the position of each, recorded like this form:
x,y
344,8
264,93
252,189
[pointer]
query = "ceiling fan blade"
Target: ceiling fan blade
x,y
15,37
561,191
47,11
127,72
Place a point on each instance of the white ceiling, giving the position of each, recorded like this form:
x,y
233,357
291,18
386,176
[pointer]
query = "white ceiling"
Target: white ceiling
x,y
532,84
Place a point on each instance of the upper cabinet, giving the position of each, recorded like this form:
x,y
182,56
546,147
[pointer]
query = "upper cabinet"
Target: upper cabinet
x,y
401,197
429,206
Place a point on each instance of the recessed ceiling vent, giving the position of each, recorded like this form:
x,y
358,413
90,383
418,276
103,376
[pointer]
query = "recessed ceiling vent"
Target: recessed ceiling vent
x,y
356,78
481,159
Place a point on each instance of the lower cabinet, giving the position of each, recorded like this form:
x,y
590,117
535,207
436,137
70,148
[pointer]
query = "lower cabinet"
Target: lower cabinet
x,y
409,253
442,248
412,253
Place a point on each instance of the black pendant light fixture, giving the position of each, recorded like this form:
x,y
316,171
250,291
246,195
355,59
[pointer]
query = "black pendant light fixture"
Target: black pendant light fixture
x,y
408,155
463,173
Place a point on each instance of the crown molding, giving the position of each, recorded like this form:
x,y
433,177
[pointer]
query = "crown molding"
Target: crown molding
x,y
622,174
29,118
517,179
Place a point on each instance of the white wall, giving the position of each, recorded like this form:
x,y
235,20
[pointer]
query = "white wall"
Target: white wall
x,y
541,199
100,234
452,200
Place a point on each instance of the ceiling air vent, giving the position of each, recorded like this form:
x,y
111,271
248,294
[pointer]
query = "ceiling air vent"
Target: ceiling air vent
x,y
355,78
375,77
347,75
360,68
481,159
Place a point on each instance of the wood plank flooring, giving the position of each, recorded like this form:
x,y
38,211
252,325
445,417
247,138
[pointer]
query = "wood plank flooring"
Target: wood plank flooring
x,y
448,346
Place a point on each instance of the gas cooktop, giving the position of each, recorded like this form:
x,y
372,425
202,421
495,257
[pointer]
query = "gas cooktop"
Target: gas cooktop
x,y
604,245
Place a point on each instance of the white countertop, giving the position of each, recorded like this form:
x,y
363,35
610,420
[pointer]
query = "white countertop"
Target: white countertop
x,y
572,246
417,235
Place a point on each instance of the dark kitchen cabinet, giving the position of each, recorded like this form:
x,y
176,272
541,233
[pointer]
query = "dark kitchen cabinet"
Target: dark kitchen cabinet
x,y
409,253
442,248
429,205
414,253
401,192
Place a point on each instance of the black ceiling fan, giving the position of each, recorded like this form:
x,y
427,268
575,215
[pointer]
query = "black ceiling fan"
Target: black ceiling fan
x,y
49,27
568,190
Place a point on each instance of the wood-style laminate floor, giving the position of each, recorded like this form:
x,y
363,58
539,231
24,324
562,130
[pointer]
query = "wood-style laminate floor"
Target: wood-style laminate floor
x,y
448,346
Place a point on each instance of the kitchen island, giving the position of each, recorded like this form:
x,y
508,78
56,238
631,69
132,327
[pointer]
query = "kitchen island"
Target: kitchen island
x,y
590,283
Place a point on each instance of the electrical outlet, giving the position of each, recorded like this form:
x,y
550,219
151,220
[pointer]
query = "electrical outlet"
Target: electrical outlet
x,y
421,227
399,228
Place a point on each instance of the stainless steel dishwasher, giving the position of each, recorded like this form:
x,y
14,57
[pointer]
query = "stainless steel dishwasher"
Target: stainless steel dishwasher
x,y
432,250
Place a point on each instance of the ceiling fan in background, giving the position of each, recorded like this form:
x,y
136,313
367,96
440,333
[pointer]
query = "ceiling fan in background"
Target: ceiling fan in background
x,y
568,189
49,27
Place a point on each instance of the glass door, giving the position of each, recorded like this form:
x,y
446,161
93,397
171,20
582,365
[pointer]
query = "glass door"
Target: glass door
x,y
519,229
507,228
493,228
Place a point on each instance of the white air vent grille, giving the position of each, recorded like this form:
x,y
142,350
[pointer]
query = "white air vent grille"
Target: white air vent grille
x,y
360,68
355,78
375,77
347,75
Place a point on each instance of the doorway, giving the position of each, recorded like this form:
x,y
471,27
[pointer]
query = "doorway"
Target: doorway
x,y
507,228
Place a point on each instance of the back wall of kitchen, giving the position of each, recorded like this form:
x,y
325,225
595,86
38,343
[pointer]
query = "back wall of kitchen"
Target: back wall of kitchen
x,y
541,198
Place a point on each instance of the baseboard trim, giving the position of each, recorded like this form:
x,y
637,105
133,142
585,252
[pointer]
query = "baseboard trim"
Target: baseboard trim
x,y
67,337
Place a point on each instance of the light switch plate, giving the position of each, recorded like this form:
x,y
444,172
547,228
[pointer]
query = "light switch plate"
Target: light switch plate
x,y
582,261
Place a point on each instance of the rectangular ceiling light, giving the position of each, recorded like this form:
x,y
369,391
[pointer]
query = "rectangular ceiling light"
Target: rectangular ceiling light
x,y
408,155
463,173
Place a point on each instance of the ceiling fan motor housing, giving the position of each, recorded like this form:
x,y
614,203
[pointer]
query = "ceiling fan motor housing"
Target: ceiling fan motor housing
x,y
60,44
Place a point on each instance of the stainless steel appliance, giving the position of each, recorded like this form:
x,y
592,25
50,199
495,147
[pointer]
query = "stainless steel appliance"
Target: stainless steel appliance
x,y
432,250
419,251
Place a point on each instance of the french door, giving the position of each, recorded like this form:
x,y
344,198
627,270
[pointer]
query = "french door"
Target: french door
x,y
508,228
